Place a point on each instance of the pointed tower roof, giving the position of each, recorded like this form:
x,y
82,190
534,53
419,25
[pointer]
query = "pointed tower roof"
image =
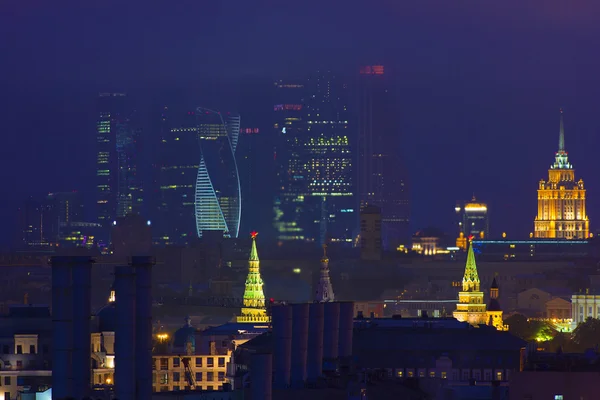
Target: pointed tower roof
x,y
253,251
471,274
494,284
561,135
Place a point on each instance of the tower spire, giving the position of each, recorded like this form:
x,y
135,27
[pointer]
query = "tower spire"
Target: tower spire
x,y
471,280
561,136
254,307
324,292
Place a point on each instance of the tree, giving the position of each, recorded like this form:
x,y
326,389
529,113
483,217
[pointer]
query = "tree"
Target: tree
x,y
587,334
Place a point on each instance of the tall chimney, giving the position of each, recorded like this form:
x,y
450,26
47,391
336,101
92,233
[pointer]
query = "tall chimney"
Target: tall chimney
x,y
331,331
299,344
346,331
125,333
62,327
143,336
261,374
82,282
282,336
315,342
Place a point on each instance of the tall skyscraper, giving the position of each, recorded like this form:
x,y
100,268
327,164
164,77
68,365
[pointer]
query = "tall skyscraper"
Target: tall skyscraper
x,y
38,226
176,172
198,179
118,187
218,203
382,179
315,200
472,220
561,200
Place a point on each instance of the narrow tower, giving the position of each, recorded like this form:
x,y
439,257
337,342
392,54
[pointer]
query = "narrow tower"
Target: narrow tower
x,y
324,292
561,200
254,309
470,307
494,310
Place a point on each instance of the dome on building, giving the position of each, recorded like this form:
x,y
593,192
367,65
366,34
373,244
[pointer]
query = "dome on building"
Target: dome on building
x,y
107,318
186,335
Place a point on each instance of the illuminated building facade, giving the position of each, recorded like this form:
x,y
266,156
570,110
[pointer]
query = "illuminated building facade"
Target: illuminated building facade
x,y
561,200
473,220
218,203
471,307
118,185
382,178
197,176
254,297
315,201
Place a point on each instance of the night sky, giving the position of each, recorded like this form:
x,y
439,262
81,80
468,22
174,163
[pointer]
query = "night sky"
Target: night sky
x,y
480,84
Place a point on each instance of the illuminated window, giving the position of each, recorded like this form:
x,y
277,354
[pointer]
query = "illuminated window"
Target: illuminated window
x,y
400,373
499,375
444,375
432,374
558,397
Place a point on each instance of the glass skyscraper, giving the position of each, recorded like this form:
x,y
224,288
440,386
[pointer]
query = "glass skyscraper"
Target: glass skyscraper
x,y
118,186
315,200
382,178
218,204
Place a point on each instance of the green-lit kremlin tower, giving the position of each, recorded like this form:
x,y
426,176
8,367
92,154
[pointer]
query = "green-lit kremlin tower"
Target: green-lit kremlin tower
x,y
254,309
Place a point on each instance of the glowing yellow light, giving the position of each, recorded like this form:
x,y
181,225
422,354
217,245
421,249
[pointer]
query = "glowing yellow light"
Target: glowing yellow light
x,y
162,336
108,381
297,270
503,234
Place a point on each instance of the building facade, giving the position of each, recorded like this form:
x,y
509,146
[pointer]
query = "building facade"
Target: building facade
x,y
315,199
382,178
561,199
218,203
472,220
118,184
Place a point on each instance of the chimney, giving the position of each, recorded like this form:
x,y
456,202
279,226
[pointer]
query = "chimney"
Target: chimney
x,y
300,314
261,374
62,327
346,330
143,335
282,336
331,331
125,343
315,342
82,283
71,279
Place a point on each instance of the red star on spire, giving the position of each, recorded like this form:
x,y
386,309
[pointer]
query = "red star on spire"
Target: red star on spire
x,y
253,234
471,237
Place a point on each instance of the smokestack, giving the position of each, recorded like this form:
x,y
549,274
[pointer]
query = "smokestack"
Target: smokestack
x,y
82,282
282,335
331,331
299,344
143,336
125,333
346,330
261,374
62,327
315,342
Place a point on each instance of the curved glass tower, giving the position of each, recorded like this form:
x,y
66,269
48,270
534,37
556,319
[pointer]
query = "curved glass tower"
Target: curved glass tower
x,y
218,205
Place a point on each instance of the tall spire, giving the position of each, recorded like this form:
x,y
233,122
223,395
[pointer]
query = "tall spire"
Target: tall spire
x,y
254,307
253,251
324,292
471,280
561,136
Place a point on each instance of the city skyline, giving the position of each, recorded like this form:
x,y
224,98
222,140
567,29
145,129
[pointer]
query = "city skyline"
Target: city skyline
x,y
465,104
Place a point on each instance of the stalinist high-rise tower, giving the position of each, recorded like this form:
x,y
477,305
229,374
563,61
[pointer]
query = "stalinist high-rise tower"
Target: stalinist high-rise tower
x,y
561,200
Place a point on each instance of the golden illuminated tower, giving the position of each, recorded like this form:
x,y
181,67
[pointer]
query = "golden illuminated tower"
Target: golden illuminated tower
x,y
561,200
254,309
470,307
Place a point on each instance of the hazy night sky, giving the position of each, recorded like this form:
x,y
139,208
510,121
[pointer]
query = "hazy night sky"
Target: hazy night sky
x,y
480,84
